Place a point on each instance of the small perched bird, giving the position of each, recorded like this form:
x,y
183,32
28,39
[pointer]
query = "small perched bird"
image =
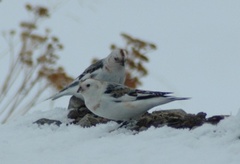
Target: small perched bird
x,y
118,102
111,68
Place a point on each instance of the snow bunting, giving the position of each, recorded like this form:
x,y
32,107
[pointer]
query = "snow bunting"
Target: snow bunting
x,y
118,102
111,68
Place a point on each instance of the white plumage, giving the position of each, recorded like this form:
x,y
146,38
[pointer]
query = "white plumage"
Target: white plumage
x,y
111,68
118,102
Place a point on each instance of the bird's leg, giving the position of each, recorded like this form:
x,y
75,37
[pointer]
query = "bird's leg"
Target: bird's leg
x,y
128,124
124,124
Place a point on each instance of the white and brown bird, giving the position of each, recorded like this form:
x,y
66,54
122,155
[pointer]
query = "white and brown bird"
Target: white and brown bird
x,y
111,68
118,102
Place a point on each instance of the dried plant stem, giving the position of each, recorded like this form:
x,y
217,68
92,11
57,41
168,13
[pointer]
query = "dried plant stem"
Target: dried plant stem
x,y
35,62
18,98
9,80
33,101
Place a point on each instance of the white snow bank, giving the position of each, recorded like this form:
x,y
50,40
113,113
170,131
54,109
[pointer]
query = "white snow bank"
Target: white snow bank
x,y
24,142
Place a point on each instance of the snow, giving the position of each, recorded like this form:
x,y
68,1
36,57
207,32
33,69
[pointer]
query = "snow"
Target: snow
x,y
24,142
189,34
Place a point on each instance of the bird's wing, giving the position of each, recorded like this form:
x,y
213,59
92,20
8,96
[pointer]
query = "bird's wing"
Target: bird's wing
x,y
89,72
143,94
71,85
120,93
92,70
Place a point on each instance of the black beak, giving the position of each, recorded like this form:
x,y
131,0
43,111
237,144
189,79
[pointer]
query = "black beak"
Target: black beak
x,y
79,89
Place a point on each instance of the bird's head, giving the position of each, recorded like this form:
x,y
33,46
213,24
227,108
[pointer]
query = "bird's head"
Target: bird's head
x,y
118,56
89,87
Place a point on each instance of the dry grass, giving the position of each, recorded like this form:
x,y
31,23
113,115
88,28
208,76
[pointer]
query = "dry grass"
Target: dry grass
x,y
33,67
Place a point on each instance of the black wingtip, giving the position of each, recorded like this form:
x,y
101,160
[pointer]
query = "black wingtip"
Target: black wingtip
x,y
182,98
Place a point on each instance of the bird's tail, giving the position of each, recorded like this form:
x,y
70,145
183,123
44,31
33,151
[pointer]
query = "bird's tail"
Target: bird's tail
x,y
56,96
180,98
69,90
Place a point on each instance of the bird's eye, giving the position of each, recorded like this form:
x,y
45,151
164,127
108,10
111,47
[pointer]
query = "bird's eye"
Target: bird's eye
x,y
116,59
88,85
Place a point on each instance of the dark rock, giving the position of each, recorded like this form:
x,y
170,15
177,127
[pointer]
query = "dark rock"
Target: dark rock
x,y
202,115
78,113
44,121
189,121
75,103
90,120
175,118
145,121
216,119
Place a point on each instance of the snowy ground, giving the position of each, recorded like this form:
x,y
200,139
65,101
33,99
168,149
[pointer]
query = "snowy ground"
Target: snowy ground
x,y
23,142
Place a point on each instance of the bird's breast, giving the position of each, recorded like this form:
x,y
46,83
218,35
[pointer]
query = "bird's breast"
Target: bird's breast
x,y
95,107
